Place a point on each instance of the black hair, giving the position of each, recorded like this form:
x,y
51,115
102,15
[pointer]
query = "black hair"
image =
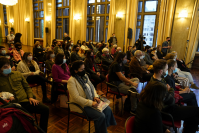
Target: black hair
x,y
2,47
75,66
26,54
119,58
74,47
88,56
147,47
59,60
4,61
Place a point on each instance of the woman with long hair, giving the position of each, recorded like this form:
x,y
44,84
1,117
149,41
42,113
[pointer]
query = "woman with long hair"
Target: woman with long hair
x,y
94,73
116,77
38,52
74,54
30,70
82,92
50,56
148,118
159,52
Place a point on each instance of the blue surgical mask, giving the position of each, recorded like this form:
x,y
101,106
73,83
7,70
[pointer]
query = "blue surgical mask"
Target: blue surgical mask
x,y
7,71
64,61
166,73
3,51
70,48
38,46
124,61
174,71
52,55
72,43
120,51
30,58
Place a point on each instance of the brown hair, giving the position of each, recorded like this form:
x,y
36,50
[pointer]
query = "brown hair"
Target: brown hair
x,y
159,65
59,60
48,54
154,94
158,48
169,56
36,44
171,63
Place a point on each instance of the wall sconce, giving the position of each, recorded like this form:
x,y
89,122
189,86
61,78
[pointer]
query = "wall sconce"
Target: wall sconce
x,y
48,18
119,15
183,14
27,19
77,17
11,21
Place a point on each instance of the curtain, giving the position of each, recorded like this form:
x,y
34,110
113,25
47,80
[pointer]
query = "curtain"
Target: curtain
x,y
111,24
31,23
165,20
131,21
9,12
53,20
193,35
83,20
2,21
45,23
72,21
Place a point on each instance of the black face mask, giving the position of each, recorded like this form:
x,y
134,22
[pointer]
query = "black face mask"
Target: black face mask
x,y
168,40
77,50
81,73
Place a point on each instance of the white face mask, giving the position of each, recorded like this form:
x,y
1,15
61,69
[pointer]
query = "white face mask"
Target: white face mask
x,y
141,57
30,58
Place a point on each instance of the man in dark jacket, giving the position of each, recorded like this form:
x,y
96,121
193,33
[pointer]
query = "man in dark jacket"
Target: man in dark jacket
x,y
140,44
106,59
66,38
165,46
112,40
147,57
189,114
74,54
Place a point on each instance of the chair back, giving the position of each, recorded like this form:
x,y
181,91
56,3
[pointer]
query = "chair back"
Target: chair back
x,y
129,125
107,79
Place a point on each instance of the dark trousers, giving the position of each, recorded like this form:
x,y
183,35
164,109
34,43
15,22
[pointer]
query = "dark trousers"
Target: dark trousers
x,y
190,99
189,114
95,79
37,79
41,109
147,76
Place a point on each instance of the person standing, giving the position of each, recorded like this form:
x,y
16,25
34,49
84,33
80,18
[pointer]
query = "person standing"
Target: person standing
x,y
112,41
66,38
165,46
10,37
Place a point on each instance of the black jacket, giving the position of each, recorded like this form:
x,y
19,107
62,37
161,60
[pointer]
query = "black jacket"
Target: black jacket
x,y
111,40
39,54
17,37
11,62
182,66
106,61
139,46
74,56
160,55
89,66
66,38
98,57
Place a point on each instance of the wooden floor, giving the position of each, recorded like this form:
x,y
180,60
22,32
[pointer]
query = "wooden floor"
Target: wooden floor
x,y
58,116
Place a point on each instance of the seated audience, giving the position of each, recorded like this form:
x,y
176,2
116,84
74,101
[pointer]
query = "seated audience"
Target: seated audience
x,y
149,118
188,96
181,64
190,114
133,50
106,59
84,46
58,48
79,42
54,42
182,73
60,70
153,54
147,57
81,53
38,52
113,50
18,52
3,53
30,70
10,50
93,73
17,38
49,60
129,53
118,50
68,52
10,38
117,78
90,45
135,66
82,92
15,83
74,54
159,52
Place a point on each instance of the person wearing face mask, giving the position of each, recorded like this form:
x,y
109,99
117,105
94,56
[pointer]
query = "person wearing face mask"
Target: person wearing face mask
x,y
153,54
112,40
117,78
18,53
135,66
159,52
66,38
15,83
93,73
54,42
17,38
68,52
106,59
189,114
10,49
10,37
84,46
90,45
118,50
30,70
113,49
74,54
188,96
3,54
58,48
165,46
38,52
147,57
50,56
83,93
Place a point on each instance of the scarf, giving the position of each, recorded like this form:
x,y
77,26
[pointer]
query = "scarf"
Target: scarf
x,y
83,80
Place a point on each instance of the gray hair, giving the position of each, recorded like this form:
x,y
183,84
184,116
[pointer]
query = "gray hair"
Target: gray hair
x,y
105,50
137,52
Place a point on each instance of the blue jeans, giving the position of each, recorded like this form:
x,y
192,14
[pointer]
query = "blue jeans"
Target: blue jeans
x,y
102,120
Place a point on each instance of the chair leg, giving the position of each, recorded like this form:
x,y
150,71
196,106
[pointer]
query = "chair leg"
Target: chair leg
x,y
89,127
68,120
122,105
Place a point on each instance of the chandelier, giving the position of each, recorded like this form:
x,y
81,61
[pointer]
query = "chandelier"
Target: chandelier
x,y
9,2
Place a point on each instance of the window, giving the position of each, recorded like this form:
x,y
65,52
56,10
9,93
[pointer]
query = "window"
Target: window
x,y
148,12
97,20
38,13
62,18
5,20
